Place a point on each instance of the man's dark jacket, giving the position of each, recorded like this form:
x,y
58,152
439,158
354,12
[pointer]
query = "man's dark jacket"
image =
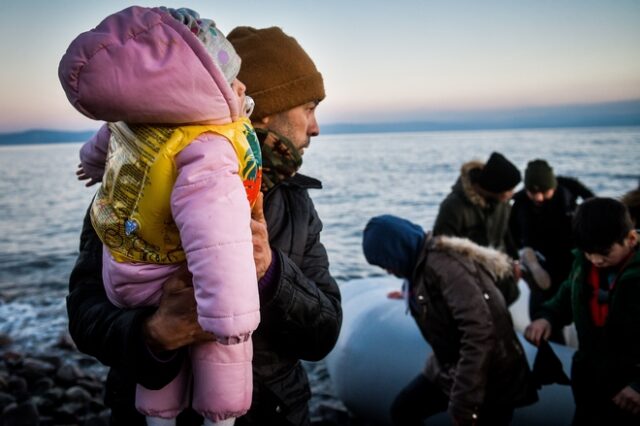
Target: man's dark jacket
x,y
547,228
300,318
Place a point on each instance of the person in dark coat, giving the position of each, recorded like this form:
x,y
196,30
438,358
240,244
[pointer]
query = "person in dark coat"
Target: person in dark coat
x,y
540,224
478,208
478,371
602,298
300,309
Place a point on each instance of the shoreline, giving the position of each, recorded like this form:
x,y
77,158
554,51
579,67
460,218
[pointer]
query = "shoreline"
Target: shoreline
x,y
63,386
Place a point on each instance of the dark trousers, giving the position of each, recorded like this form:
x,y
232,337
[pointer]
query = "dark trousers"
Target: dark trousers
x,y
594,408
421,399
603,413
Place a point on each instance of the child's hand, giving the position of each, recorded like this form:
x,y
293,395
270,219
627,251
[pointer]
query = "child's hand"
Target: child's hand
x,y
538,330
629,400
455,421
395,294
82,175
517,271
260,236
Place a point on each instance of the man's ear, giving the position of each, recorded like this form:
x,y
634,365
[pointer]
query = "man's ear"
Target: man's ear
x,y
262,123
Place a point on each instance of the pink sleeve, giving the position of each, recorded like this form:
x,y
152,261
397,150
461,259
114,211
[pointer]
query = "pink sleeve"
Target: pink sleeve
x,y
210,207
93,154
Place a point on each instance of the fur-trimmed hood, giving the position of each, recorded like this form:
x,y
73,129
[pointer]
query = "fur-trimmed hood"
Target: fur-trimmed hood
x,y
464,185
494,261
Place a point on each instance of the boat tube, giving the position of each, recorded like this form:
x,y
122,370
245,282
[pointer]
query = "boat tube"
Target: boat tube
x,y
380,350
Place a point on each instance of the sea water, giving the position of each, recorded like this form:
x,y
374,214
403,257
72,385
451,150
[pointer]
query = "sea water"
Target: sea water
x,y
42,205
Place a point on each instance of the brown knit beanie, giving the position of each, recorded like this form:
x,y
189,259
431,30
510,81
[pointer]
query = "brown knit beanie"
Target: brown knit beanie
x,y
278,73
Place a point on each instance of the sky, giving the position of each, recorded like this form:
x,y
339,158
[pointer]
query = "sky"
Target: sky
x,y
400,60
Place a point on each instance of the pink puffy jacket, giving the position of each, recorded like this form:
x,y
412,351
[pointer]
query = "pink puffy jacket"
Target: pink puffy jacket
x,y
143,66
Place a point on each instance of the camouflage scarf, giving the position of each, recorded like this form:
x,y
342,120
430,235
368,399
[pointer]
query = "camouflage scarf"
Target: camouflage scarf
x,y
280,159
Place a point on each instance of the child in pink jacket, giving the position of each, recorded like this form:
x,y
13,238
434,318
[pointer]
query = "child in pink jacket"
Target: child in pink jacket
x,y
178,160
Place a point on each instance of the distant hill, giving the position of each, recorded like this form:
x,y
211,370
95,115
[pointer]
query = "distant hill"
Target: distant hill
x,y
624,113
43,136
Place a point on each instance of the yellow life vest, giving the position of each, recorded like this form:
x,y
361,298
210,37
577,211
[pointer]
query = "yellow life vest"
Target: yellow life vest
x,y
131,212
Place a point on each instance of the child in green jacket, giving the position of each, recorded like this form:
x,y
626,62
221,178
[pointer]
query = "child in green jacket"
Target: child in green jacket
x,y
602,297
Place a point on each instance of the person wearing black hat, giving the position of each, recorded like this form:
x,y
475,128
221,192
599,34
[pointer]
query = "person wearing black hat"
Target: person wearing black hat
x,y
477,207
540,224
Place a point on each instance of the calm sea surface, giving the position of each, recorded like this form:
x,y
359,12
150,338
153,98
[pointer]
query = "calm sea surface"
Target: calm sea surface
x,y
406,174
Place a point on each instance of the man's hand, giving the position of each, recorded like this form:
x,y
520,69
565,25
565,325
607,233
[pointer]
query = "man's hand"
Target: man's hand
x,y
260,237
175,322
629,400
538,330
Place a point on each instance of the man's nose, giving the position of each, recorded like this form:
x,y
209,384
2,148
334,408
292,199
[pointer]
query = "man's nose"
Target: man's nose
x,y
314,128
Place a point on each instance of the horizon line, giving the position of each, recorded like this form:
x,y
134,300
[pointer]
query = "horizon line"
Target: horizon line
x,y
622,113
45,136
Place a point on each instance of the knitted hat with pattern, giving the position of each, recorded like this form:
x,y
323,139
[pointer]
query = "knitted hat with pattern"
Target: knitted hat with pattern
x,y
219,48
278,73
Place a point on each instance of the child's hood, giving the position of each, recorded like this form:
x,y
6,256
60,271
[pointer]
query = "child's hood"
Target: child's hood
x,y
141,65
